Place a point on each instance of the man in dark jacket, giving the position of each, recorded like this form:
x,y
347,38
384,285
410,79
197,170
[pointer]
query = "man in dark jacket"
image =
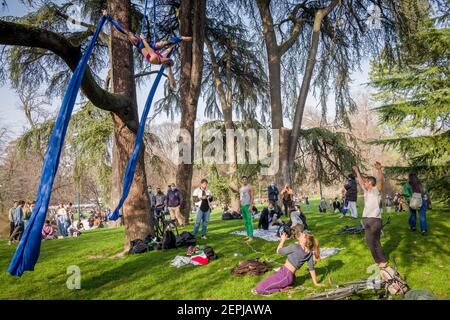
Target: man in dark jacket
x,y
351,195
272,193
173,203
268,214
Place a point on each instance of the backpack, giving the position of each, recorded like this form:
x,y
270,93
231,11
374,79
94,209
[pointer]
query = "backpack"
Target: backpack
x,y
393,282
185,239
416,201
209,252
138,246
227,216
169,241
236,215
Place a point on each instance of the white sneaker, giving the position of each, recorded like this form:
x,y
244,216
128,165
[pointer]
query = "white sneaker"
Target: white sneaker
x,y
204,238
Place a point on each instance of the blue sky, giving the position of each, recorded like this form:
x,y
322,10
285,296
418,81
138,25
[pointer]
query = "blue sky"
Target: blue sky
x,y
14,120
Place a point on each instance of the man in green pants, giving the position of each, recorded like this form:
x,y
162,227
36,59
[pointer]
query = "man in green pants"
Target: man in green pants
x,y
247,197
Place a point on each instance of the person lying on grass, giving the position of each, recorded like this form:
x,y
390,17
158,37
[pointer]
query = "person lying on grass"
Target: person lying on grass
x,y
372,214
298,253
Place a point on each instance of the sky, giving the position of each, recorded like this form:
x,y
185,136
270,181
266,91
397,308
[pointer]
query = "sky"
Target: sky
x,y
12,118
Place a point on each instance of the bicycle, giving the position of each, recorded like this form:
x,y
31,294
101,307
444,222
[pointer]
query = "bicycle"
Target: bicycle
x,y
347,290
161,223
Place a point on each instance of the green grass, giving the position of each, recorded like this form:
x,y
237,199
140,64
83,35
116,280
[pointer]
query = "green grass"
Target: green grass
x,y
423,261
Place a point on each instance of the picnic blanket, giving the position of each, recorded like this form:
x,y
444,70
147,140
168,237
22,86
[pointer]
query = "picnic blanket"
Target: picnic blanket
x,y
269,235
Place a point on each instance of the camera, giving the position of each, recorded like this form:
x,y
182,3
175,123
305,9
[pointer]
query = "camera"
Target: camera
x,y
284,228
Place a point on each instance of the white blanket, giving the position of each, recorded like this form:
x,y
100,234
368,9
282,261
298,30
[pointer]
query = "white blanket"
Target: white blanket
x,y
180,261
271,235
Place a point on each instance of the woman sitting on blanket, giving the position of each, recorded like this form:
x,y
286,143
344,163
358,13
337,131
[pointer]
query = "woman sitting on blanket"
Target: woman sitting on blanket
x,y
297,254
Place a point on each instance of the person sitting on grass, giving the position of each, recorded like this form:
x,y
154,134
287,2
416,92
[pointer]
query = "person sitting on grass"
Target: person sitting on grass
x,y
48,232
305,250
372,214
298,218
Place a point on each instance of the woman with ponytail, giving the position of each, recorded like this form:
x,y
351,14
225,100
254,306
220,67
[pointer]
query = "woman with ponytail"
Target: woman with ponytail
x,y
305,250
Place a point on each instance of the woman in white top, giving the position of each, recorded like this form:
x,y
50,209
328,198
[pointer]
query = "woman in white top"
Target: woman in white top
x,y
372,214
61,218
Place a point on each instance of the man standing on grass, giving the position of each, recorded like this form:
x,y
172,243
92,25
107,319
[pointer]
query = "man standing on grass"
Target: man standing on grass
x,y
247,196
272,193
202,199
11,215
174,203
372,214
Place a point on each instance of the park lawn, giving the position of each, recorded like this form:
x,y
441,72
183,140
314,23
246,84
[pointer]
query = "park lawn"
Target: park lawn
x,y
423,261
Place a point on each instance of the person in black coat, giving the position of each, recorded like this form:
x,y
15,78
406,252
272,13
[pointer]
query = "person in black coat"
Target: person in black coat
x,y
351,195
267,215
272,193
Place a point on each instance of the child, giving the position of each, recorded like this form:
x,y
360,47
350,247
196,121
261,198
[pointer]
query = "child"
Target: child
x,y
297,254
372,214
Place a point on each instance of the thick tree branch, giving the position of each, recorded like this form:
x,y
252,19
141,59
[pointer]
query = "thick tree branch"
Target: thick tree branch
x,y
15,34
310,63
296,29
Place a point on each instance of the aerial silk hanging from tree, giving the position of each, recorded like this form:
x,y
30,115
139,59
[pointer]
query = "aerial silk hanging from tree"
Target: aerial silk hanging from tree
x,y
134,159
28,250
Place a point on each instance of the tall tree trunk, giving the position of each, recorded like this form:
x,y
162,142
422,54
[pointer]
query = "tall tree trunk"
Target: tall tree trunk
x,y
274,64
192,23
310,63
226,102
135,211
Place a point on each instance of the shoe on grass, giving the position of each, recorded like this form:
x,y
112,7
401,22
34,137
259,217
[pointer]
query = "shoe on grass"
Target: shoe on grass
x,y
424,233
204,238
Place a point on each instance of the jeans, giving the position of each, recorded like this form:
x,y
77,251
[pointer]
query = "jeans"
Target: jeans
x,y
201,216
422,217
62,226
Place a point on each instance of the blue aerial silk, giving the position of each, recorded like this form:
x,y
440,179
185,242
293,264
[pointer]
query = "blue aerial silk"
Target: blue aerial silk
x,y
133,161
28,250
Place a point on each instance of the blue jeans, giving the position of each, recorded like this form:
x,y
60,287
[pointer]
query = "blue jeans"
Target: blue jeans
x,y
422,217
201,216
62,226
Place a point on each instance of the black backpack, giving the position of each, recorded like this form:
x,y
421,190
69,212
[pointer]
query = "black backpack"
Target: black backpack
x,y
169,240
186,239
209,252
227,216
138,246
236,215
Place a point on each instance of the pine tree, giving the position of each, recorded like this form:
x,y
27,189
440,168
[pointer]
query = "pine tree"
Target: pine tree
x,y
414,92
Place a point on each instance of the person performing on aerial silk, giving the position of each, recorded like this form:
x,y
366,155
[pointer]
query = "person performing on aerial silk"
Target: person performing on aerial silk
x,y
152,53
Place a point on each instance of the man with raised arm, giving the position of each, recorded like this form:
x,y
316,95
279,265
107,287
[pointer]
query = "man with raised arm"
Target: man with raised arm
x,y
372,214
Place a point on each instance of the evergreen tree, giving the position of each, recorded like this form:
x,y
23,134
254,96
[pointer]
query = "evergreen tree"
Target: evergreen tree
x,y
414,92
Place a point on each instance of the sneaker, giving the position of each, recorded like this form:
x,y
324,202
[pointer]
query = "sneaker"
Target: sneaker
x,y
424,233
197,249
204,238
189,251
413,229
